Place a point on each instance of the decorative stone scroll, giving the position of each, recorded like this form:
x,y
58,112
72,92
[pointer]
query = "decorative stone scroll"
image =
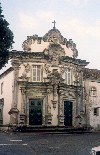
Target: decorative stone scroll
x,y
62,69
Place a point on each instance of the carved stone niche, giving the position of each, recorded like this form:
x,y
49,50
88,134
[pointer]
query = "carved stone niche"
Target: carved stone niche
x,y
54,104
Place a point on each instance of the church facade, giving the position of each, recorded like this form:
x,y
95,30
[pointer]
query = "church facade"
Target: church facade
x,y
48,85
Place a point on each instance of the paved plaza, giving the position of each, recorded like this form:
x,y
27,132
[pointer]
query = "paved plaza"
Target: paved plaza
x,y
47,144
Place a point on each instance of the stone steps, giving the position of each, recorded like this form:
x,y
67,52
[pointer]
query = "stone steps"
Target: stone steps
x,y
49,129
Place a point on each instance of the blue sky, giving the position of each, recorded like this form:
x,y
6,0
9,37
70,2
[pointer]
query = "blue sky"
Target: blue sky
x,y
78,20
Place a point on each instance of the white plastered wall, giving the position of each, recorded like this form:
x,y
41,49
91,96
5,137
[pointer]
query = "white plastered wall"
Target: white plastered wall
x,y
7,95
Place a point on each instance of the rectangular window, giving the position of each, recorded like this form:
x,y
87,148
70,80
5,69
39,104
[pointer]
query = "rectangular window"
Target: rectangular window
x,y
96,111
68,76
36,73
2,88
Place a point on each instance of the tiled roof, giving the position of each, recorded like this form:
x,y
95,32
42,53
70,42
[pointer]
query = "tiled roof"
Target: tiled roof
x,y
91,73
6,72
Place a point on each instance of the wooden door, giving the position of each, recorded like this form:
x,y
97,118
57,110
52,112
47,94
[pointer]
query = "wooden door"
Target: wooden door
x,y
67,113
35,112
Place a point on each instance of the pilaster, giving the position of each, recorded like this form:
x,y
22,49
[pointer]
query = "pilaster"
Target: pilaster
x,y
14,111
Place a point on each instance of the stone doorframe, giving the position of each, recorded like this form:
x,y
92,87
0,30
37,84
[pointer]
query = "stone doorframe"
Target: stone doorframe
x,y
43,108
73,110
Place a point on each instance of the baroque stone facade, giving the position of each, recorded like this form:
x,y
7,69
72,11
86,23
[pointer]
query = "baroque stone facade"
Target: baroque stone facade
x,y
52,77
49,83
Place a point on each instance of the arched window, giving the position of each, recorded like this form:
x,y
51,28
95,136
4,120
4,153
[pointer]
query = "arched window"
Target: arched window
x,y
93,91
68,76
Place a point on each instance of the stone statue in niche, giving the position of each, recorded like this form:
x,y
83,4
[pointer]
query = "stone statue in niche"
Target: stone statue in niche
x,y
27,67
46,68
25,73
55,59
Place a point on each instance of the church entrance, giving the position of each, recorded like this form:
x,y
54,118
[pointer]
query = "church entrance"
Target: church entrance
x,y
35,112
68,113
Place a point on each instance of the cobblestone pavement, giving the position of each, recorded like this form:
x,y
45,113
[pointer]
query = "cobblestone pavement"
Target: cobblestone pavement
x,y
47,144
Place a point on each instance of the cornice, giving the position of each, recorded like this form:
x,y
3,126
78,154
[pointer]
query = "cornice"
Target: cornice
x,y
26,55
91,74
41,55
74,61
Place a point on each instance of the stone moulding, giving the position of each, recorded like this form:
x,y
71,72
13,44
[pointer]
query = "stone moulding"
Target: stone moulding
x,y
22,55
41,55
73,60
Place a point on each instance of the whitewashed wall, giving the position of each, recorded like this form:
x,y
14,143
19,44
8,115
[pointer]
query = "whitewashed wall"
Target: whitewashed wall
x,y
7,95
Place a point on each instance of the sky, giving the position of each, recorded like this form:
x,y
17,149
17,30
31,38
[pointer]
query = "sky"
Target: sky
x,y
78,20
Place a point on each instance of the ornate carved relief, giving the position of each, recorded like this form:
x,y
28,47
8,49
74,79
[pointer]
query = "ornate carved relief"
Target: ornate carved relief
x,y
72,45
62,69
24,76
46,68
48,91
55,36
55,77
27,67
54,103
54,51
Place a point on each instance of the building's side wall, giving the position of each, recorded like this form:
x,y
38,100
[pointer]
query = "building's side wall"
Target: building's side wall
x,y
6,94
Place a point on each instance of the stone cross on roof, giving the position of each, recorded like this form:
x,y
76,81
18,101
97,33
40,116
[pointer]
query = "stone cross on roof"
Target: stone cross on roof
x,y
54,24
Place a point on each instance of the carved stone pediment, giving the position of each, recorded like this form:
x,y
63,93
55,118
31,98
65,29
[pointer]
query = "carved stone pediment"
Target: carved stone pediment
x,y
68,94
54,35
